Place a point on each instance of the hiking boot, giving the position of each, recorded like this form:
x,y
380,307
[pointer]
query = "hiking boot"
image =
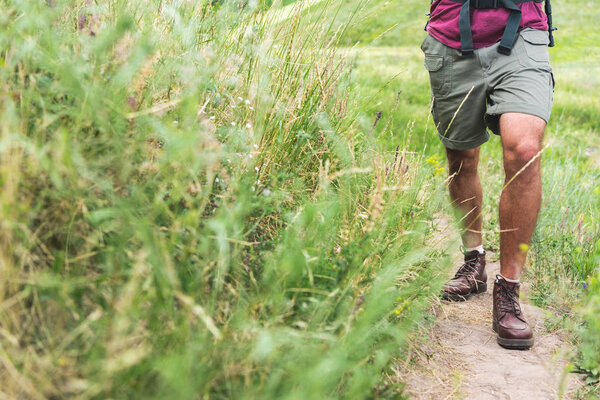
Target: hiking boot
x,y
509,323
470,278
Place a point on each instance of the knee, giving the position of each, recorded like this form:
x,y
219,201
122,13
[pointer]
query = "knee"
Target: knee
x,y
462,162
516,156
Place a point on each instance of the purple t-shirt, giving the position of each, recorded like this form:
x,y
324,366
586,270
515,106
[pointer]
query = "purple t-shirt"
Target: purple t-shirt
x,y
487,25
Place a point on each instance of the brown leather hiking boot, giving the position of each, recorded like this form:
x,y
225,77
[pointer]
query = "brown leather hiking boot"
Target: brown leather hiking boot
x,y
470,278
509,323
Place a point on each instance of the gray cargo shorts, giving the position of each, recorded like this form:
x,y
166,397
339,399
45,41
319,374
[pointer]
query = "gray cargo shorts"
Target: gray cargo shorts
x,y
470,93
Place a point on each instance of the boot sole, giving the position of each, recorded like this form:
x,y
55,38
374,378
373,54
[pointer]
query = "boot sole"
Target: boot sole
x,y
512,344
480,288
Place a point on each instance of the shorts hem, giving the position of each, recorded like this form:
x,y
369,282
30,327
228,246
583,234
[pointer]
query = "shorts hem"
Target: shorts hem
x,y
520,108
464,144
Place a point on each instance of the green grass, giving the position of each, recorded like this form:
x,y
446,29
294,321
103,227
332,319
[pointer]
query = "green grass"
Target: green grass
x,y
195,202
191,208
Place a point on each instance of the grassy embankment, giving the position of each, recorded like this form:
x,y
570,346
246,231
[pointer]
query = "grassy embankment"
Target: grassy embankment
x,y
191,208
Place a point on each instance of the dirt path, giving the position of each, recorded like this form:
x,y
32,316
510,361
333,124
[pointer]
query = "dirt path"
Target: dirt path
x,y
461,359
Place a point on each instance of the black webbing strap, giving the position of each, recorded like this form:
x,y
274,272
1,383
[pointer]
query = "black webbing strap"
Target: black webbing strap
x,y
551,28
464,26
510,32
512,27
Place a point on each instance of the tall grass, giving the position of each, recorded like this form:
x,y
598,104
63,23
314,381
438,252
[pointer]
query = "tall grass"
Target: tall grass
x,y
567,253
189,209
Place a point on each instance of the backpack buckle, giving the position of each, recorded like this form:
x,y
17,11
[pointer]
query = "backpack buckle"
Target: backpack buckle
x,y
485,4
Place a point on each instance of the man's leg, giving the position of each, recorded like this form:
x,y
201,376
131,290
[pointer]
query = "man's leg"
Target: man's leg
x,y
521,198
465,192
519,207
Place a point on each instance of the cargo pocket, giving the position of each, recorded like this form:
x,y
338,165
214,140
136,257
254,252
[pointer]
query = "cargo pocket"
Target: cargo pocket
x,y
434,64
536,45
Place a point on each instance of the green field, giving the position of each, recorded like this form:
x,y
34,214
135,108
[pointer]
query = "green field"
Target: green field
x,y
199,201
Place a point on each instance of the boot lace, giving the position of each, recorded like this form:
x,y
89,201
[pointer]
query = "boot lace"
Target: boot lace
x,y
508,300
468,269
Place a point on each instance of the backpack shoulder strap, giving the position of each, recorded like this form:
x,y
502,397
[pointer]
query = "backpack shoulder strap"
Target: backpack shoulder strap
x,y
551,28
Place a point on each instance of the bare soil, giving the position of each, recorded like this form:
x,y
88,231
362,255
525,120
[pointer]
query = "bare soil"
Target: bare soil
x,y
462,360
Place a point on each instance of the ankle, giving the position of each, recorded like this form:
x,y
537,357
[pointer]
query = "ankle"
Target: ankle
x,y
509,279
478,248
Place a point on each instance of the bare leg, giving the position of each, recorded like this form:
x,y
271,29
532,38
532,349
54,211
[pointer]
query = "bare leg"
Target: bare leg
x,y
520,201
465,192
